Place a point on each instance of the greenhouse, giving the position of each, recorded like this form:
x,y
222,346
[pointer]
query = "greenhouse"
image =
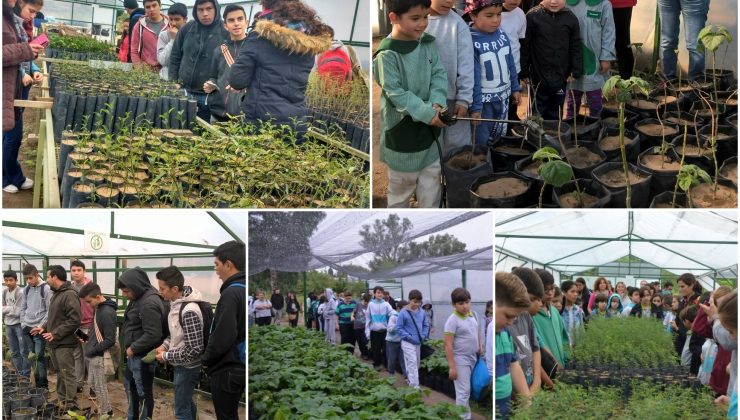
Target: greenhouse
x,y
638,303
295,258
108,243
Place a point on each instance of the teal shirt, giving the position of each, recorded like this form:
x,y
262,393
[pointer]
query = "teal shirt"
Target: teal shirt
x,y
552,333
505,356
344,311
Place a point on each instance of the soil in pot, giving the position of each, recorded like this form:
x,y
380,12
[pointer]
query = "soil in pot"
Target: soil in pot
x,y
693,151
581,157
701,196
729,172
511,150
610,143
659,163
615,178
107,196
570,200
532,169
643,104
501,188
656,130
463,161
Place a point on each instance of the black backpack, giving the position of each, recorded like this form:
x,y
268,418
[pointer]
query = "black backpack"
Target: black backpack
x,y
207,311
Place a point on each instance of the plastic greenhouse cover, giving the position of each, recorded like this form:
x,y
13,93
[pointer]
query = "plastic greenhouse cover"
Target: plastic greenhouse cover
x,y
562,255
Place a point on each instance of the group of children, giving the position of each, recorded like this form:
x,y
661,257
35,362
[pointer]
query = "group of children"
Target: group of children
x,y
439,63
536,328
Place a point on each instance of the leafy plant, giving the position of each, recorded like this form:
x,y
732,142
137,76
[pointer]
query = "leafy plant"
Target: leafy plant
x,y
711,39
553,171
690,176
80,44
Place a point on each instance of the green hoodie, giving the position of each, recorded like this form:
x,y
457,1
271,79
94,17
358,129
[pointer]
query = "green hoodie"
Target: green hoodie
x,y
552,332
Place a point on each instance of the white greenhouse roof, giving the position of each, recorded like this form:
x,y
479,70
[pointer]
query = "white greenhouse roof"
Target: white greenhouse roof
x,y
570,242
58,233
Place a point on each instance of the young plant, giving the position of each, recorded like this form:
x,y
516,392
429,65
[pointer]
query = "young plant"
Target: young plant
x,y
554,171
691,176
711,39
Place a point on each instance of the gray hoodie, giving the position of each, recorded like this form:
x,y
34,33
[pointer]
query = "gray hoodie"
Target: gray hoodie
x,y
331,305
35,310
12,304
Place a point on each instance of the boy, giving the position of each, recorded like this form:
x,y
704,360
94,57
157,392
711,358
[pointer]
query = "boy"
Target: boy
x,y
223,101
344,317
376,325
414,91
35,312
414,330
670,305
634,295
358,318
695,341
463,344
511,301
553,335
598,35
145,36
178,16
393,343
600,309
495,71
514,25
523,333
552,55
12,304
452,39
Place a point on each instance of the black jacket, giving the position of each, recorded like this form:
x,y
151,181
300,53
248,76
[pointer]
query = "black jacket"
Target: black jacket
x,y
192,52
220,73
105,317
274,67
143,320
680,338
133,18
277,301
64,317
655,311
228,328
553,50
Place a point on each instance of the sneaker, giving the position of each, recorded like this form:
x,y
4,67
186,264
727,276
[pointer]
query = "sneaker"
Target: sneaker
x,y
27,184
11,189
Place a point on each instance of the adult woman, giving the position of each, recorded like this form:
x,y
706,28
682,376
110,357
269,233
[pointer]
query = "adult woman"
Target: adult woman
x,y
694,17
277,58
15,52
686,283
583,292
601,285
292,307
622,11
621,290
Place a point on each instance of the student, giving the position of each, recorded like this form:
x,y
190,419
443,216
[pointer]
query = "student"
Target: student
x,y
487,319
693,14
573,315
79,280
278,302
647,308
123,46
413,82
102,338
557,299
185,344
514,25
670,305
59,333
393,343
35,313
12,305
686,283
344,311
145,36
634,295
177,14
548,322
414,330
727,314
329,312
601,285
523,333
551,27
614,306
463,345
621,290
359,317
262,310
511,301
376,326
320,311
223,101
426,305
452,39
135,13
225,355
695,341
600,309
292,308
667,288
142,331
706,325
496,84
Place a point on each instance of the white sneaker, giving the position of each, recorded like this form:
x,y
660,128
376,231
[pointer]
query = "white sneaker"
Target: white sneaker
x,y
11,189
27,184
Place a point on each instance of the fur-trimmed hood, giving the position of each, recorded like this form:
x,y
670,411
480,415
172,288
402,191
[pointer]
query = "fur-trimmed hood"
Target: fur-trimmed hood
x,y
295,42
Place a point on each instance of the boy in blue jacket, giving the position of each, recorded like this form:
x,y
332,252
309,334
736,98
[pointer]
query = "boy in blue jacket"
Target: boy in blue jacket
x,y
413,328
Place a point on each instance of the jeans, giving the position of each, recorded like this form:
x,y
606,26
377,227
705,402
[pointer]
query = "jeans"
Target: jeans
x,y
278,316
395,357
12,172
347,331
491,131
203,111
132,385
18,348
227,388
694,16
36,344
186,380
96,378
377,346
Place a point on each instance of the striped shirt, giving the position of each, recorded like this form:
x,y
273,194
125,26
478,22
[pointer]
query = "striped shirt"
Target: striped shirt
x,y
344,311
505,356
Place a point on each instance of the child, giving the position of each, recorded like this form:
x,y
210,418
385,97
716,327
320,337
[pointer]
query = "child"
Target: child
x,y
614,306
463,344
344,311
511,301
601,285
330,325
376,325
262,310
634,295
523,333
414,330
414,90
496,78
557,299
707,325
551,55
452,39
600,309
596,24
572,313
727,312
428,314
670,305
514,25
693,344
549,324
646,308
358,318
393,343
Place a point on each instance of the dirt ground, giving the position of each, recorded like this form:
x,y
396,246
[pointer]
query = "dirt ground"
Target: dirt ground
x,y
26,157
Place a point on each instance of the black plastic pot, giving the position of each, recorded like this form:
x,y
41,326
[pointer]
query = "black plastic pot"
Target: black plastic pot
x,y
725,77
89,205
549,139
506,150
588,186
586,128
721,98
67,182
59,114
615,155
107,202
680,119
76,196
120,114
65,148
536,183
174,105
458,181
725,166
665,200
731,120
662,179
37,396
640,192
89,118
726,145
515,201
704,161
609,120
707,112
648,141
24,413
585,171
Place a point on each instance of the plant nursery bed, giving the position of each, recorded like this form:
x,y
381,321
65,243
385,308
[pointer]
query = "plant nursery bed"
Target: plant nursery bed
x,y
570,200
615,178
703,196
656,130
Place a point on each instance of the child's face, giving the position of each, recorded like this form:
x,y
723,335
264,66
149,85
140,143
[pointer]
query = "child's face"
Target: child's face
x,y
549,294
411,25
674,305
558,304
414,304
236,23
602,306
462,307
635,297
535,304
441,7
379,294
553,5
657,301
260,296
347,299
505,316
571,295
615,304
646,299
488,19
511,4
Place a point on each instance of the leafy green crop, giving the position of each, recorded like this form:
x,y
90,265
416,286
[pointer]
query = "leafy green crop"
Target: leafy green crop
x,y
139,81
437,362
295,374
79,44
571,402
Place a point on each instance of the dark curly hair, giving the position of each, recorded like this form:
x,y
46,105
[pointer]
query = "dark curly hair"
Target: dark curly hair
x,y
284,11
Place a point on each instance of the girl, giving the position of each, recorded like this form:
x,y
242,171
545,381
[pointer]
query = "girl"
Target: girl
x,y
572,313
600,286
646,308
669,316
557,299
584,293
686,283
292,307
614,306
727,312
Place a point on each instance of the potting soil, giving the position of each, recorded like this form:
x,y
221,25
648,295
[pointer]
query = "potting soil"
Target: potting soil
x,y
660,163
570,200
500,188
615,178
691,150
666,99
581,157
533,168
701,196
643,104
511,150
656,130
612,143
463,161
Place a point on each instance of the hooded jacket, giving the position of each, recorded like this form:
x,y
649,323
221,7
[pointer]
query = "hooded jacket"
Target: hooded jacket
x,y
64,317
143,318
553,333
614,297
553,50
228,328
144,43
192,53
105,316
330,307
185,343
12,305
133,19
273,67
408,331
655,311
224,102
598,35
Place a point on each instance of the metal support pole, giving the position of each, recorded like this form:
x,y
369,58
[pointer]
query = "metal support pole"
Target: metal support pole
x,y
465,279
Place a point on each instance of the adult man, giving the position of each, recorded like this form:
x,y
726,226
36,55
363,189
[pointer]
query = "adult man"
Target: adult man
x,y
178,16
145,34
34,313
225,355
134,13
12,304
77,271
192,53
101,339
59,333
142,331
183,348
278,301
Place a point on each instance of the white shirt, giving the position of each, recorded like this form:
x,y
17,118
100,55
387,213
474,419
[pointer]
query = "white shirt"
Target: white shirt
x,y
514,25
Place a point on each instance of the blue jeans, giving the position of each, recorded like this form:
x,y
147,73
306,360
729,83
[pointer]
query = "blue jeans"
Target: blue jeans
x,y
37,344
694,16
491,131
203,111
12,172
395,357
18,348
138,383
186,380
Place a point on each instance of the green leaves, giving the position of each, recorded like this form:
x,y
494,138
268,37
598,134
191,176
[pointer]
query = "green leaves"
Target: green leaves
x,y
546,153
692,175
621,90
554,171
711,39
79,44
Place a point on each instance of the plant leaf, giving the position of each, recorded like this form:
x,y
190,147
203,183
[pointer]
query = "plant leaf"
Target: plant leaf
x,y
546,153
556,173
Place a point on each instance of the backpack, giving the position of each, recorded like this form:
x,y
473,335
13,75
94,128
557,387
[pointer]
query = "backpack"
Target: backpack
x,y
207,311
241,347
335,63
43,294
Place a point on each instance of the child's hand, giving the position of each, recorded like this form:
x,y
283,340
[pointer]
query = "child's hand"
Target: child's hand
x,y
604,66
436,122
453,373
516,97
475,115
461,111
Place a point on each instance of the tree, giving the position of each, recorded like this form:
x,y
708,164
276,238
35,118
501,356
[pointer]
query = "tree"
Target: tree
x,y
436,246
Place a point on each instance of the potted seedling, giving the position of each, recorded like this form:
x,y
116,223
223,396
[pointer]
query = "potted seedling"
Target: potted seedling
x,y
711,38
